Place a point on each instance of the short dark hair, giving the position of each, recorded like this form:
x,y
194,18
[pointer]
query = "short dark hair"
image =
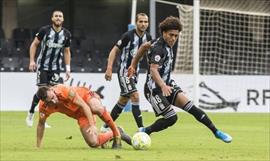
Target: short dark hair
x,y
140,14
170,23
57,10
42,92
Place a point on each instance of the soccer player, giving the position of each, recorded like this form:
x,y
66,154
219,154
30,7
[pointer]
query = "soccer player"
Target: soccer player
x,y
160,90
81,104
54,40
128,45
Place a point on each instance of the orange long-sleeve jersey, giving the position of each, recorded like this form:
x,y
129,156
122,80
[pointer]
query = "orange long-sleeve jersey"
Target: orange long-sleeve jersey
x,y
66,96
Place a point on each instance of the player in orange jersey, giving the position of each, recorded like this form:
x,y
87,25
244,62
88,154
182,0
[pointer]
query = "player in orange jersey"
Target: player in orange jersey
x,y
81,104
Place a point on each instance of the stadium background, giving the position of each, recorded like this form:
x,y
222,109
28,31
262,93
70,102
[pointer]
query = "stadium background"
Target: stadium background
x,y
234,78
234,48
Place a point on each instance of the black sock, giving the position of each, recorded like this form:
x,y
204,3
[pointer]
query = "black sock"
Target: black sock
x,y
161,124
200,116
34,104
116,111
137,115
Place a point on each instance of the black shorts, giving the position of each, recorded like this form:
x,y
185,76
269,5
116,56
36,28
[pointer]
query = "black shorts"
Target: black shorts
x,y
45,78
161,104
127,85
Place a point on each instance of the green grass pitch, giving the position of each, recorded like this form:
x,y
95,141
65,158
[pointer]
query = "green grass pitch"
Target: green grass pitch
x,y
186,140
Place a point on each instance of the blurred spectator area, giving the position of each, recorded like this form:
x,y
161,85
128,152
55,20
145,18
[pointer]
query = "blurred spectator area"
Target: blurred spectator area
x,y
85,57
95,26
86,54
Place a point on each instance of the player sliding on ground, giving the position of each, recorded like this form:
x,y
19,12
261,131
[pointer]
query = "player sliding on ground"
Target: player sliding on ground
x,y
81,104
160,90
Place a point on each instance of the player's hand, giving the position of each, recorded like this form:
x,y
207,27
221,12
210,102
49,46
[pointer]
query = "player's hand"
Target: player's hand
x,y
108,74
166,90
131,71
147,45
67,76
32,66
92,130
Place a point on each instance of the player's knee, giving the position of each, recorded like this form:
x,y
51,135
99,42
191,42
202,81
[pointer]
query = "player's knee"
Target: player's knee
x,y
134,97
123,100
96,106
93,143
171,120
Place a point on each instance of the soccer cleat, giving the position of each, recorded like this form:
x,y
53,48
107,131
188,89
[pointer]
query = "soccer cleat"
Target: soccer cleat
x,y
29,119
141,129
117,143
223,136
104,129
47,125
125,137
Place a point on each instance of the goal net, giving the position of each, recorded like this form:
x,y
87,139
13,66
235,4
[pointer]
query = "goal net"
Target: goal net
x,y
234,38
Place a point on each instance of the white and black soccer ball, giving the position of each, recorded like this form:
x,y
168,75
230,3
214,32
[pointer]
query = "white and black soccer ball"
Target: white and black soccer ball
x,y
141,141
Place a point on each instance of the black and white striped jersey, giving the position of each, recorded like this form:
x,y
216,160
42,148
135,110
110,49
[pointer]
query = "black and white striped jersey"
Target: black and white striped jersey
x,y
129,44
161,54
52,47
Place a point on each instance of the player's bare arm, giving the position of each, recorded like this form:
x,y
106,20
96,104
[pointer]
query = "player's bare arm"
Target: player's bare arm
x,y
108,74
135,60
67,62
40,129
166,90
32,54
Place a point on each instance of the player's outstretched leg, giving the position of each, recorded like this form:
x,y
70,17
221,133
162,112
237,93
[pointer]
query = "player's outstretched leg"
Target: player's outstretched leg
x,y
125,137
159,125
223,136
116,111
202,117
99,109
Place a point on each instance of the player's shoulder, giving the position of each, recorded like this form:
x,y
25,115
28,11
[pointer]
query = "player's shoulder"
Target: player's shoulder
x,y
129,33
45,28
66,31
158,43
64,91
60,87
148,36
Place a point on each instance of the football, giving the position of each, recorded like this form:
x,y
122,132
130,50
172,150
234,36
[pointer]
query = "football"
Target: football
x,y
141,141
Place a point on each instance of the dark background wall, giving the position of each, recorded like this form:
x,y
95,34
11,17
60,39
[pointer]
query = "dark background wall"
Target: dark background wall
x,y
102,20
95,25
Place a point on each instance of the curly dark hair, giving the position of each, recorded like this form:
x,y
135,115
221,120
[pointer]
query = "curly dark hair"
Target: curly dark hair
x,y
42,92
170,23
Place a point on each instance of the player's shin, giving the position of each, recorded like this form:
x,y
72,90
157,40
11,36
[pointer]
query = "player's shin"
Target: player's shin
x,y
137,114
161,124
116,111
104,137
200,116
106,117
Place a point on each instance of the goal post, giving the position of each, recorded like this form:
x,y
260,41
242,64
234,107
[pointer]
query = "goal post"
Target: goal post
x,y
233,39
